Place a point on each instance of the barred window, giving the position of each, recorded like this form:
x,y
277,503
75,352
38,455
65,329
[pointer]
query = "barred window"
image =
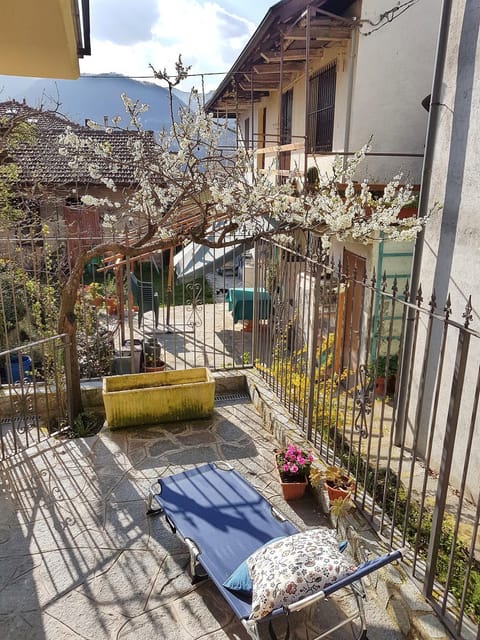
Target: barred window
x,y
247,134
286,117
321,109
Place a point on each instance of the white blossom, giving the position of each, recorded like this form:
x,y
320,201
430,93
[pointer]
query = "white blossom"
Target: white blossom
x,y
89,201
187,165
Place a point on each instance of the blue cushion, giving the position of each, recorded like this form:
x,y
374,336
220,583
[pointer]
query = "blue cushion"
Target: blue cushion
x,y
240,579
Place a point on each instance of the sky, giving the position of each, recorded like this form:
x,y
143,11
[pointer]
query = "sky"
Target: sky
x,y
129,35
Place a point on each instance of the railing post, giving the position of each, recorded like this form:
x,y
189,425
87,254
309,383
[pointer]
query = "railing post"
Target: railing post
x,y
255,304
313,351
68,378
447,451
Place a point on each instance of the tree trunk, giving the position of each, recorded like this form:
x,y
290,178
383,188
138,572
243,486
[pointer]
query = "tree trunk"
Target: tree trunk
x,y
67,323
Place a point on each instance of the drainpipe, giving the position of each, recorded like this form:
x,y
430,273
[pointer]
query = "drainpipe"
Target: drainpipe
x,y
348,111
424,196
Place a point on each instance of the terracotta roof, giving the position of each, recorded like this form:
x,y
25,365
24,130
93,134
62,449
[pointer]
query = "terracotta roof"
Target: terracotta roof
x,y
38,117
40,161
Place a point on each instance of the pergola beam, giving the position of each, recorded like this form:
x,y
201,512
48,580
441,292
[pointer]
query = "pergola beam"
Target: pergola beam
x,y
273,67
319,33
262,85
290,55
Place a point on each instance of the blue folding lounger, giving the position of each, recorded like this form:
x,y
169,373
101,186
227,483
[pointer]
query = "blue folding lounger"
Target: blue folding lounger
x,y
222,520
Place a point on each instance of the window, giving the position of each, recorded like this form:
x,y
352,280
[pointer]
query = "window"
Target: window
x,y
321,109
286,117
285,134
262,122
247,133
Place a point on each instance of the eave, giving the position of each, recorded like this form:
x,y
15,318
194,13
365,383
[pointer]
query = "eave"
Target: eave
x,y
44,38
277,53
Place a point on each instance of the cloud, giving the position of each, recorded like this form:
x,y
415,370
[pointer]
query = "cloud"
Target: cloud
x,y
208,36
125,22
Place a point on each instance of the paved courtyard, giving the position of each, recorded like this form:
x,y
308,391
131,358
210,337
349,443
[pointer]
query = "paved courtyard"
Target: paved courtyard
x,y
79,559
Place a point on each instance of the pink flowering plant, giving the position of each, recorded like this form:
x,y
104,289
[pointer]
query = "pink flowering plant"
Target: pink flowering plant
x,y
293,463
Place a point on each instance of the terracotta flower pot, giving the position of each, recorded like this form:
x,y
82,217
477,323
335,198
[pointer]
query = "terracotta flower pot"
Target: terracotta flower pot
x,y
408,212
160,366
337,493
385,386
294,490
380,387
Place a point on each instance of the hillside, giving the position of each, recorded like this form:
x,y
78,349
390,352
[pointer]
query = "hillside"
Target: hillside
x,y
92,97
184,96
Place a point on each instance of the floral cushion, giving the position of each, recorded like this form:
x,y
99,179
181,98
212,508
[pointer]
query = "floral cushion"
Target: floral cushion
x,y
240,580
294,567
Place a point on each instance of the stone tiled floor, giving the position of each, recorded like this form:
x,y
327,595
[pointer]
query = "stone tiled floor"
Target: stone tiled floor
x,y
79,559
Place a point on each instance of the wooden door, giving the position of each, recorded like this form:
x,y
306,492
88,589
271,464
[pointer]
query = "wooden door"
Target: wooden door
x,y
352,312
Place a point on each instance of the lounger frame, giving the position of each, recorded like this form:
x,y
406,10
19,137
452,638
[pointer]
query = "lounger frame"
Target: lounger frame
x,y
198,483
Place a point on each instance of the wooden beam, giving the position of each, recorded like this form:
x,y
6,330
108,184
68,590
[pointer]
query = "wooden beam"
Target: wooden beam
x,y
292,146
289,55
264,77
287,173
236,105
259,85
319,33
273,67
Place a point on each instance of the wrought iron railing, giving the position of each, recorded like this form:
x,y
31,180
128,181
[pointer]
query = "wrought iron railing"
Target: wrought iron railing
x,y
34,403
333,332
322,335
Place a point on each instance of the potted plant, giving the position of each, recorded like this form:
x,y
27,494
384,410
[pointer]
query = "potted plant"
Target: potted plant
x,y
384,371
153,363
111,304
293,466
338,483
152,352
313,180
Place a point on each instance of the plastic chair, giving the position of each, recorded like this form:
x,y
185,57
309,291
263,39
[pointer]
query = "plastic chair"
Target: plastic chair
x,y
145,298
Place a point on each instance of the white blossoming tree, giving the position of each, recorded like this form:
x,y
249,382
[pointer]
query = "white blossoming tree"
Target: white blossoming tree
x,y
186,166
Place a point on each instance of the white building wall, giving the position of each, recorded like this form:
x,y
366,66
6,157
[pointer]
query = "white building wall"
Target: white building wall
x,y
451,251
393,74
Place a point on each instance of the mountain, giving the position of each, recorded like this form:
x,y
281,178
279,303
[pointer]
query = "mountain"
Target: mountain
x,y
184,96
92,97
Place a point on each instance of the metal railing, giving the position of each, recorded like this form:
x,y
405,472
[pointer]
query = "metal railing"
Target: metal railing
x,y
328,339
33,394
333,332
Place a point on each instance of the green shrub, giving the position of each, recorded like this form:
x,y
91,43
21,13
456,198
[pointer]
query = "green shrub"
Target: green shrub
x,y
86,424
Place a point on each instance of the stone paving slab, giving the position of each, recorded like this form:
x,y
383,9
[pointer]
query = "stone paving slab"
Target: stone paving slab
x,y
79,559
